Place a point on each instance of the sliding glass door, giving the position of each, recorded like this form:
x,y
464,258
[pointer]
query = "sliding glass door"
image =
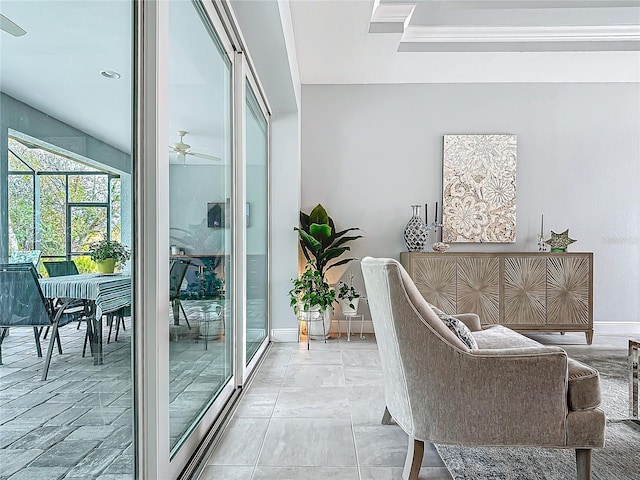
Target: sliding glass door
x,y
257,222
201,200
66,131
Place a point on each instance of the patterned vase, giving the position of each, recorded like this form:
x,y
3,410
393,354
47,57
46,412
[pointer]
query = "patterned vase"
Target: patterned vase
x,y
416,232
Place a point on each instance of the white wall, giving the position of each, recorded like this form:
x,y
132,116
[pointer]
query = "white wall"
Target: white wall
x,y
370,151
285,207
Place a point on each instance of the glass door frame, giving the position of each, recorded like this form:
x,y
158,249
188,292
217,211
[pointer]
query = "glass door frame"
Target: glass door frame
x,y
247,77
153,457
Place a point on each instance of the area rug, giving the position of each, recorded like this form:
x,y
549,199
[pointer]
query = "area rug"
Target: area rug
x,y
619,460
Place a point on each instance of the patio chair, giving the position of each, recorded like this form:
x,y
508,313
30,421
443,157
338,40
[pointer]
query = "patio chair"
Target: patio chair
x,y
23,305
176,276
26,256
60,269
118,316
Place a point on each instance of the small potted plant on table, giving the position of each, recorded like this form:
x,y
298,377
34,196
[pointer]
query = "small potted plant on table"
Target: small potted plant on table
x,y
349,298
109,254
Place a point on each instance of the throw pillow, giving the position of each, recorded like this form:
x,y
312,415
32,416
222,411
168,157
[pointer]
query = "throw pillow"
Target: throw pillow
x,y
457,327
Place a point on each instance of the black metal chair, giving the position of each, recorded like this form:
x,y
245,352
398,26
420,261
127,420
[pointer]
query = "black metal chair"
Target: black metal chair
x,y
118,316
59,269
22,304
62,269
176,276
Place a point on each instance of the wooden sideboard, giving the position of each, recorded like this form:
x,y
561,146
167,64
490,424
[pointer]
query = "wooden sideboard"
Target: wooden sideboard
x,y
543,292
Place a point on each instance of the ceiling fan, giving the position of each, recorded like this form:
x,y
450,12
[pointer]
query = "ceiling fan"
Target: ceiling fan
x,y
183,149
10,27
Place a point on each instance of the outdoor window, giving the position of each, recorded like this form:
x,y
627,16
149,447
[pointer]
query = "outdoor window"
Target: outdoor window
x,y
59,205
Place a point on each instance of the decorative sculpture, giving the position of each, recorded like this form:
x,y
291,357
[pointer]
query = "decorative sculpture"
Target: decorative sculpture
x,y
559,241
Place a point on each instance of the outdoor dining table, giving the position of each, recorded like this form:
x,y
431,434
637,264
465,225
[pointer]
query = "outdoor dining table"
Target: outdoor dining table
x,y
105,293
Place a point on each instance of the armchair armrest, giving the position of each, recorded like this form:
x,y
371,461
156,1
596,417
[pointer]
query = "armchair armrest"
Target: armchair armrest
x,y
511,396
471,320
518,351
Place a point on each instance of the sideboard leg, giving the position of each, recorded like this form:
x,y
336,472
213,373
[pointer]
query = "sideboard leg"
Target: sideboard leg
x,y
589,336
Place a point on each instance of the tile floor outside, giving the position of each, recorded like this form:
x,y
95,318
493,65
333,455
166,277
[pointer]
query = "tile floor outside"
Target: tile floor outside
x,y
317,414
78,423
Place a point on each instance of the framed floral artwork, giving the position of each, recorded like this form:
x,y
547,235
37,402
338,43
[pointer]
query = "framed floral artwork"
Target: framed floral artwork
x,y
479,188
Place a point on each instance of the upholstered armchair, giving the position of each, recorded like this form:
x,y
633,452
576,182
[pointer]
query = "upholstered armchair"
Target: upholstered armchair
x,y
510,391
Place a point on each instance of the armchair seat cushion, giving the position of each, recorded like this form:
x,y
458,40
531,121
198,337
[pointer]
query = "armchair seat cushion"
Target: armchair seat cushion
x,y
499,337
584,386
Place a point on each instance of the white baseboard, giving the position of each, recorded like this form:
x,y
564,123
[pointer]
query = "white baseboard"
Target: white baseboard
x,y
612,328
291,334
367,326
284,334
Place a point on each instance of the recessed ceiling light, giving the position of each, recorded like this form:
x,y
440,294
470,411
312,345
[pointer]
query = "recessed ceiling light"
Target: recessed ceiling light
x,y
110,74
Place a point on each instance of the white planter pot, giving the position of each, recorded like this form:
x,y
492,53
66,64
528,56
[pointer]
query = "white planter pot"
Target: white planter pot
x,y
211,324
314,326
347,311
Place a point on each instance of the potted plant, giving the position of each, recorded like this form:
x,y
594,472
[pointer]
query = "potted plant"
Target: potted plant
x,y
108,254
309,297
322,244
348,298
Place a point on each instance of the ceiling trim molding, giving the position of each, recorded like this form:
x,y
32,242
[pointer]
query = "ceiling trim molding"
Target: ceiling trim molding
x,y
391,17
539,38
536,4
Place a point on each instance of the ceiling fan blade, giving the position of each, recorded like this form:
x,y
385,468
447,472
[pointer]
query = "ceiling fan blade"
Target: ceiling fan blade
x,y
10,27
205,156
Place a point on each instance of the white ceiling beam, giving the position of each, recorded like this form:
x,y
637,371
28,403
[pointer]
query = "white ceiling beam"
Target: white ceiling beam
x,y
537,4
514,39
390,17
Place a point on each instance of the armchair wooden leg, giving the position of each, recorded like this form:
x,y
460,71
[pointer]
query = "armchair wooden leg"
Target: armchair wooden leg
x,y
414,459
386,417
583,463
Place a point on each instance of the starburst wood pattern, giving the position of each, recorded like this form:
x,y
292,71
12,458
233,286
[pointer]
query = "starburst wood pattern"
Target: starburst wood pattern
x,y
567,290
436,280
478,287
525,290
542,292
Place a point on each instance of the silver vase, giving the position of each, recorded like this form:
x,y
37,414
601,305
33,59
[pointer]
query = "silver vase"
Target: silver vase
x,y
416,232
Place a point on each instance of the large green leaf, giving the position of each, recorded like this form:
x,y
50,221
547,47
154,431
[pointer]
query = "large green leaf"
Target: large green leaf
x,y
343,232
305,251
319,215
308,240
332,253
304,221
344,240
320,232
341,262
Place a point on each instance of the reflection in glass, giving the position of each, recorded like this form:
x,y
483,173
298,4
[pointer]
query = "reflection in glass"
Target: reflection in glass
x,y
67,131
21,212
53,209
257,232
88,188
88,225
200,353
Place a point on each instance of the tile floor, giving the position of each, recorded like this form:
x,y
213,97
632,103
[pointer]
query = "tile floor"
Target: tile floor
x,y
78,423
316,415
